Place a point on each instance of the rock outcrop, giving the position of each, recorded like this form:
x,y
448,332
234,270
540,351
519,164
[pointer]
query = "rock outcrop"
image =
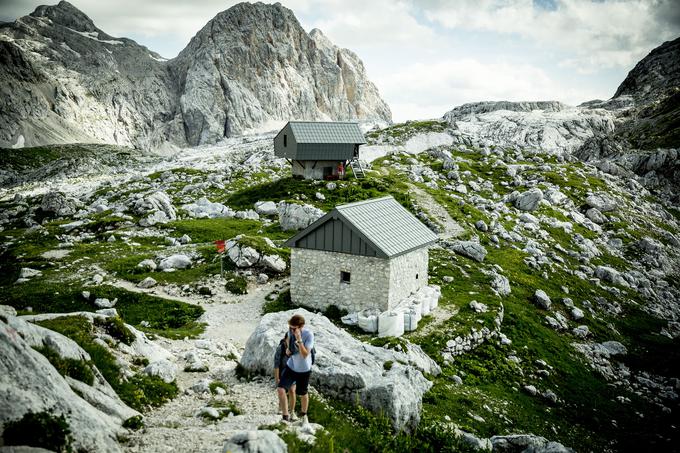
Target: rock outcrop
x,y
65,80
380,379
28,382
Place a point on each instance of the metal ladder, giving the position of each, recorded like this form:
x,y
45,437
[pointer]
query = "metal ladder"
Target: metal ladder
x,y
357,168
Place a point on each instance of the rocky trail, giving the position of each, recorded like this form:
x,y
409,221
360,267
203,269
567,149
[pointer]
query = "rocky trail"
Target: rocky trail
x,y
178,426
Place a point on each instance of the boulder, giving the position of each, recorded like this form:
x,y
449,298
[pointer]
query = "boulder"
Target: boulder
x,y
164,369
274,263
481,225
147,264
27,272
601,202
158,206
555,197
242,255
576,313
500,284
105,303
610,275
542,299
615,348
529,200
205,209
148,282
293,216
178,261
596,216
348,369
58,203
260,441
469,249
526,443
266,208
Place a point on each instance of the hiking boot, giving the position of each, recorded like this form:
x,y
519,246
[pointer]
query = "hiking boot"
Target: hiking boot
x,y
285,419
293,417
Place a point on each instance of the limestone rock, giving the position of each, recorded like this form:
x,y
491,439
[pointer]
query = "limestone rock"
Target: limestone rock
x,y
266,208
596,216
158,209
36,386
260,441
542,299
204,208
274,263
147,264
470,249
178,261
164,369
526,443
529,200
241,255
348,369
294,216
148,282
58,203
601,202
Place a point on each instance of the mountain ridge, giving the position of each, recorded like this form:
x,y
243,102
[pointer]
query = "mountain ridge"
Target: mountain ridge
x,y
98,88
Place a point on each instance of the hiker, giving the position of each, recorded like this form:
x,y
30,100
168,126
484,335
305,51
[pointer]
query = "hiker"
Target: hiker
x,y
299,367
280,358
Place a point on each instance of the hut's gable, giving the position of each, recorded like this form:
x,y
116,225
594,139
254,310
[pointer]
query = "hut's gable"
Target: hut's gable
x,y
380,227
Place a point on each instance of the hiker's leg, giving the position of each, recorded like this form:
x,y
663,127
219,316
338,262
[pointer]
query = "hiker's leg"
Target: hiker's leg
x,y
283,401
291,398
304,403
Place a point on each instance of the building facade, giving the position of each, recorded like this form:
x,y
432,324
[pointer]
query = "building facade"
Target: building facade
x,y
370,254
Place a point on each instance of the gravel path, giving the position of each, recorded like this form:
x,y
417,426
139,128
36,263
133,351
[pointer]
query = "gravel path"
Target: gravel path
x,y
175,426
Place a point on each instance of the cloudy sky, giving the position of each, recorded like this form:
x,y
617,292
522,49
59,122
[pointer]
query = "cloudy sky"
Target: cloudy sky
x,y
427,56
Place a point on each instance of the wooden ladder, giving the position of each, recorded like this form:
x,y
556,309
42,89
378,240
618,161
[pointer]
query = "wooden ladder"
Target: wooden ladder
x,y
357,169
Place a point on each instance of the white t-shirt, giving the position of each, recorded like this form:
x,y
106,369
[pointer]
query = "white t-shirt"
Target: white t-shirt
x,y
298,363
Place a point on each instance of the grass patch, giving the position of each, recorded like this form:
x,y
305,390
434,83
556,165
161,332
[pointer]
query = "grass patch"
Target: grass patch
x,y
210,230
41,430
236,284
116,328
139,392
77,369
281,303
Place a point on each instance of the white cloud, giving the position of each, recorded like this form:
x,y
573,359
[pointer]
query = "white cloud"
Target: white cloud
x,y
595,34
429,90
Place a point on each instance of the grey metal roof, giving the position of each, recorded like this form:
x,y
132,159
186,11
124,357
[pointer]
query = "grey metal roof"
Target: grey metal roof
x,y
382,222
326,132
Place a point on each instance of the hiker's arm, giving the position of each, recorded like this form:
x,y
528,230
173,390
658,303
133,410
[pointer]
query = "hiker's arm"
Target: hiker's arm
x,y
304,349
276,375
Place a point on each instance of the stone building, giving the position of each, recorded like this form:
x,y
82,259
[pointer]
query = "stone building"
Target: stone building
x,y
319,150
369,254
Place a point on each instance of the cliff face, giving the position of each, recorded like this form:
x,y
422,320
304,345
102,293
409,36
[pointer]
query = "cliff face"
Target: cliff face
x,y
254,64
64,80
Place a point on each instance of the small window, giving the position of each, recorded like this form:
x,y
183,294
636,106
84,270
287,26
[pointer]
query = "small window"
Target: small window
x,y
416,276
344,277
285,140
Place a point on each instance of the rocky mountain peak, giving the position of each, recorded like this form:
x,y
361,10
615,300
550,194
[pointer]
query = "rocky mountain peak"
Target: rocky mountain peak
x,y
64,13
655,75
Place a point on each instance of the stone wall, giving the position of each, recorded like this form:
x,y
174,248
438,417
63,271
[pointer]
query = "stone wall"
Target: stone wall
x,y
463,344
310,169
408,273
315,280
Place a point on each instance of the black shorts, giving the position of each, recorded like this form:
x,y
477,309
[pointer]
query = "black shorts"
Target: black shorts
x,y
290,377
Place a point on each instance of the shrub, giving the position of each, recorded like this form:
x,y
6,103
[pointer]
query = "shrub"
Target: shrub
x,y
217,384
142,392
281,303
76,369
39,429
134,423
115,327
236,284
